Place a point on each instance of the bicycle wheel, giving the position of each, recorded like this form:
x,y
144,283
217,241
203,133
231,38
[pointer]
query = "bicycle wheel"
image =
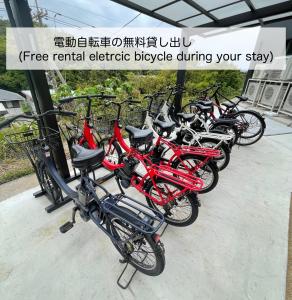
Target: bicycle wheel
x,y
227,129
52,189
140,250
208,172
182,211
253,127
223,160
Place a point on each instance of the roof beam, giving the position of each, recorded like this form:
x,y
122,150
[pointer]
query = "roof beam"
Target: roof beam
x,y
201,10
252,8
147,12
264,12
165,5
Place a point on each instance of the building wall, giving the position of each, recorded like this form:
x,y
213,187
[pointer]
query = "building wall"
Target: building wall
x,y
12,107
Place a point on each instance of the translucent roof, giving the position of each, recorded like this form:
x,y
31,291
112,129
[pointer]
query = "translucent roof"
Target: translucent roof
x,y
230,10
178,11
212,13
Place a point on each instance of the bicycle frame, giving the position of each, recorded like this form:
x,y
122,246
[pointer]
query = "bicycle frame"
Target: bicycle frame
x,y
87,135
196,136
153,171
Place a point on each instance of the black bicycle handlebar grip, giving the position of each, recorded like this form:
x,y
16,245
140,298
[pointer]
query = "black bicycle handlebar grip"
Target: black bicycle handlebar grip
x,y
66,100
109,96
134,101
66,113
160,93
9,121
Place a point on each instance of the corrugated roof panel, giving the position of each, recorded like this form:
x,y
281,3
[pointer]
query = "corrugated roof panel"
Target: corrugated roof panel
x,y
230,10
208,5
178,11
263,3
196,21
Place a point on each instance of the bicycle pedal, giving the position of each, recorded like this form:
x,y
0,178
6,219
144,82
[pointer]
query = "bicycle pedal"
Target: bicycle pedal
x,y
66,227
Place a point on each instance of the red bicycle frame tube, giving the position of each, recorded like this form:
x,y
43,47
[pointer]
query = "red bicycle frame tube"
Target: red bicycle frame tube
x,y
87,136
178,151
188,181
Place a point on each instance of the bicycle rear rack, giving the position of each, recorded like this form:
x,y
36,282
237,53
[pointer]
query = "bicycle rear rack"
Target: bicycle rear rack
x,y
208,152
148,220
213,135
185,180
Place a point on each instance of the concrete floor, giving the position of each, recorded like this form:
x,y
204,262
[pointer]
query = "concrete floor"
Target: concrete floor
x,y
237,248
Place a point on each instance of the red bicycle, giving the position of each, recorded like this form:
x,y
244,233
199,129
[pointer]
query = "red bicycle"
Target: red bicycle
x,y
193,160
166,189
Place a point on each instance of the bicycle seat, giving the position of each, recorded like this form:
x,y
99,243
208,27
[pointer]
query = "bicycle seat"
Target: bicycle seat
x,y
186,117
205,102
85,158
242,98
138,136
204,108
164,126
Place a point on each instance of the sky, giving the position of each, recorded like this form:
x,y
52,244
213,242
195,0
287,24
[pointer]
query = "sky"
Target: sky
x,y
98,13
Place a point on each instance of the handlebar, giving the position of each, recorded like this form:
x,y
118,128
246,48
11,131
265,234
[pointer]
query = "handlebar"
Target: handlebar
x,y
125,101
36,117
155,95
119,105
215,85
9,121
66,113
98,96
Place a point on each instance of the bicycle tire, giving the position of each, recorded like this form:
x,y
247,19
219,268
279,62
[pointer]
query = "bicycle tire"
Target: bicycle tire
x,y
211,165
191,197
53,191
223,148
225,129
260,132
156,247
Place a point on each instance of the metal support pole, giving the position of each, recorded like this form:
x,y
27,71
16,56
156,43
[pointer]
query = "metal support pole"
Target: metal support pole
x,y
180,80
181,73
19,16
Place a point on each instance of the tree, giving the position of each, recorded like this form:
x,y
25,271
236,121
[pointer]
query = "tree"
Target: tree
x,y
14,81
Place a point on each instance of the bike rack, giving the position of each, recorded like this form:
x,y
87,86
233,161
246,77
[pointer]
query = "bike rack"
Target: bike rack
x,y
67,199
64,200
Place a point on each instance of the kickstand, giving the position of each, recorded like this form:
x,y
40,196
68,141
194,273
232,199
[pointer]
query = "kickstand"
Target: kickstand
x,y
164,229
120,277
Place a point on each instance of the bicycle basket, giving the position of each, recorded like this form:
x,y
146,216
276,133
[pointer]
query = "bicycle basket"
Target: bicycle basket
x,y
104,125
27,143
155,107
134,116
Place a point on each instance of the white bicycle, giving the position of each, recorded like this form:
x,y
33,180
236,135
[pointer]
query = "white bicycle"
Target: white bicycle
x,y
183,133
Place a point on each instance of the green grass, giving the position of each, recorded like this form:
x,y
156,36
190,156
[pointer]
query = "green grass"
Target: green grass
x,y
10,170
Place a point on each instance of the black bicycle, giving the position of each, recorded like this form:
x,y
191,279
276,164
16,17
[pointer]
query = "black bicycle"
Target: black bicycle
x,y
251,124
130,225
